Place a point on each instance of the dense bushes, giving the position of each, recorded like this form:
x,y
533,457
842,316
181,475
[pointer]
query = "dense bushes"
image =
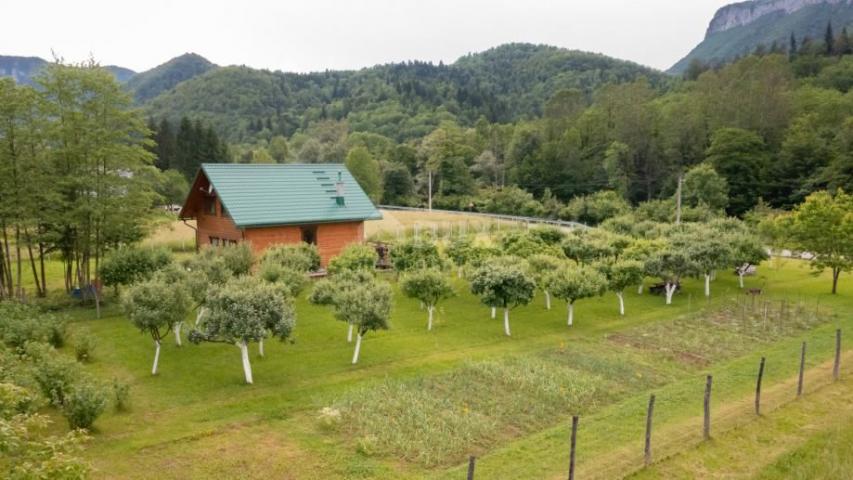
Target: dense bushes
x,y
130,265
415,254
354,257
23,323
301,257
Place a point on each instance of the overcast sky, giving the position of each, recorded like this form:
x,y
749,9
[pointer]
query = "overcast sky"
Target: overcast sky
x,y
310,35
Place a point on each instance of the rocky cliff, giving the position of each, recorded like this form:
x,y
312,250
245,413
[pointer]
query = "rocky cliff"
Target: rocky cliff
x,y
744,13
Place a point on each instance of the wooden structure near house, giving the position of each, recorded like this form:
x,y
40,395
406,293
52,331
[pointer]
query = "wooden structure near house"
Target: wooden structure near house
x,y
266,205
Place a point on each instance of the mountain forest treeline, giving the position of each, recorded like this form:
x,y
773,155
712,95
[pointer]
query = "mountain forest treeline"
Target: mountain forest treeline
x,y
768,128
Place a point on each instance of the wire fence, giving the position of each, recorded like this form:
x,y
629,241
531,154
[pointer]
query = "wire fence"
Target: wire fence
x,y
493,216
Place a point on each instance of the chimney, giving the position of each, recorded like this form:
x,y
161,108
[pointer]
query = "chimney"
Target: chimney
x,y
339,189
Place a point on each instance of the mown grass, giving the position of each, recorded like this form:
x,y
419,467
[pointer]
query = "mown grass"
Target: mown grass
x,y
197,419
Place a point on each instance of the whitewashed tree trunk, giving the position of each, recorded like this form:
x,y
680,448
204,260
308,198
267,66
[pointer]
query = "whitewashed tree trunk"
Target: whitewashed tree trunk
x,y
621,298
670,291
571,313
199,314
459,272
430,309
156,357
494,312
349,334
357,349
247,367
177,329
640,289
261,347
740,278
506,322
547,300
707,285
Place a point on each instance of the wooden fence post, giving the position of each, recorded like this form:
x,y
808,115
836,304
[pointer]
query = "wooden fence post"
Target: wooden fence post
x,y
472,460
802,371
573,447
651,411
706,431
758,387
836,369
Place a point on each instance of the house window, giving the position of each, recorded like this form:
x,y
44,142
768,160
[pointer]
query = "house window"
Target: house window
x,y
309,234
215,241
210,206
221,242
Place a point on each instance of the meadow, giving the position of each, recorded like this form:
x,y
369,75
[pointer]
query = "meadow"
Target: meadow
x,y
419,402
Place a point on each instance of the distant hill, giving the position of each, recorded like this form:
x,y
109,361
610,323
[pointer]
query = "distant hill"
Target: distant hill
x,y
24,69
401,100
147,85
739,28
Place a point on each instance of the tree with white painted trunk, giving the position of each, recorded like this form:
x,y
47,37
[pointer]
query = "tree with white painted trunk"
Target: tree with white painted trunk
x,y
709,252
243,311
326,291
504,285
747,251
428,286
670,264
540,267
621,274
155,306
641,250
572,283
205,272
367,306
289,282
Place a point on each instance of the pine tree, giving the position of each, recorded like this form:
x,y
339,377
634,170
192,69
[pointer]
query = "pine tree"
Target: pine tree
x,y
843,46
829,39
792,49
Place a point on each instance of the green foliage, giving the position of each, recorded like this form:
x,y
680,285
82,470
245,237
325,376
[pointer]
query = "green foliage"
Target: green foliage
x,y
542,265
739,156
573,283
204,272
54,374
155,305
244,310
238,258
595,208
459,250
126,266
84,347
325,291
703,186
415,254
84,404
366,305
29,450
426,285
365,169
621,274
508,200
525,244
501,285
121,395
302,257
24,323
354,257
290,281
823,225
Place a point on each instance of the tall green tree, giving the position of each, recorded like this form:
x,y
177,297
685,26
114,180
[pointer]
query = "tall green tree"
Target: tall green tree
x,y
366,171
739,156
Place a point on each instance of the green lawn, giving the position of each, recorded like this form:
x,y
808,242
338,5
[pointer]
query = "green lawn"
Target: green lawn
x,y
504,399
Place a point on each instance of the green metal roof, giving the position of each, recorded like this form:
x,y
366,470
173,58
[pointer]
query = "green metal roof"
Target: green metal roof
x,y
265,195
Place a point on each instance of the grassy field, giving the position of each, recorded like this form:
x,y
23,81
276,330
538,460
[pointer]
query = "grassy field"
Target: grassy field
x,y
420,402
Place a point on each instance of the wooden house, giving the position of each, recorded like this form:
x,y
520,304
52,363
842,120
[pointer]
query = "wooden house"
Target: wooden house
x,y
265,205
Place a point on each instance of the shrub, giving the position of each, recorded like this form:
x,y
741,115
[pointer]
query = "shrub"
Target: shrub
x,y
238,258
130,265
415,254
53,373
524,244
16,400
289,280
121,395
23,323
354,257
302,257
84,404
84,347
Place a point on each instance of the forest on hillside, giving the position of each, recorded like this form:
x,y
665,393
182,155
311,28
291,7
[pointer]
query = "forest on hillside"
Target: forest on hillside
x,y
767,129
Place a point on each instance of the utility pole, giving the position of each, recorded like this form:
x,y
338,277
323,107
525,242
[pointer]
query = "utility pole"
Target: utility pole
x,y
678,200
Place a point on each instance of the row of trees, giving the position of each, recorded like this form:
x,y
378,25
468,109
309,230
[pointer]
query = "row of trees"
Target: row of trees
x,y
73,164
